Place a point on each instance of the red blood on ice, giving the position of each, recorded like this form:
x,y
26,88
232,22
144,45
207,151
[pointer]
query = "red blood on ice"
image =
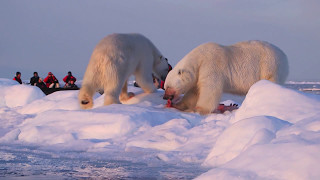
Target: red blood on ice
x,y
131,94
223,108
169,103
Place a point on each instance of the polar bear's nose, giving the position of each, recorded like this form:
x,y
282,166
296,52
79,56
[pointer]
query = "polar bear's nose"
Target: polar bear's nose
x,y
169,93
166,97
84,102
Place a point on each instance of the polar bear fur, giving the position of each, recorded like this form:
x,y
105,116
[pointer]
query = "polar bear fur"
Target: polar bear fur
x,y
211,69
114,59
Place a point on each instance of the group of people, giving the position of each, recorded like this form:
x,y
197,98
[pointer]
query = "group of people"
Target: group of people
x,y
50,82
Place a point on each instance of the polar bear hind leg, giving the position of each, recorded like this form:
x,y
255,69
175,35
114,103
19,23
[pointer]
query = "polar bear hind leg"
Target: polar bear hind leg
x,y
113,84
274,65
145,81
269,72
85,97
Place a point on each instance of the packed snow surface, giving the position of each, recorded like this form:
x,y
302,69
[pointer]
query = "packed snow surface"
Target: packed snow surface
x,y
275,134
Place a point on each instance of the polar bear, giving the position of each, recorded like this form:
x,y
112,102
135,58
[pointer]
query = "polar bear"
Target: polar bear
x,y
114,59
211,69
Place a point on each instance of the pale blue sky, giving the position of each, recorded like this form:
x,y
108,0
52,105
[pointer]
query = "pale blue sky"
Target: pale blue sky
x,y
59,36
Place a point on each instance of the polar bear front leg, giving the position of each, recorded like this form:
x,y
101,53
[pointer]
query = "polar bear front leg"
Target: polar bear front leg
x,y
111,94
124,95
145,81
209,98
188,101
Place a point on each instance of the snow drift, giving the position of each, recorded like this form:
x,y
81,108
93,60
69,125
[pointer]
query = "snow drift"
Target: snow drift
x,y
275,134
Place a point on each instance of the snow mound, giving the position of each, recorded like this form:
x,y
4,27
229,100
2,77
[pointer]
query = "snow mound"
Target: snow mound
x,y
7,82
18,95
269,99
241,135
275,133
292,160
60,100
60,126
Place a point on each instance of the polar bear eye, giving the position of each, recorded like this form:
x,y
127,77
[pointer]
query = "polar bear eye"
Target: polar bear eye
x,y
179,72
160,57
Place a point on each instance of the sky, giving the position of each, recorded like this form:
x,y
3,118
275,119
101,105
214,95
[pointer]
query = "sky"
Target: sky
x,y
59,36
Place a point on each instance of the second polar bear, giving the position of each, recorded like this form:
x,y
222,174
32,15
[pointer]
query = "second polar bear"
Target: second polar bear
x,y
211,69
114,60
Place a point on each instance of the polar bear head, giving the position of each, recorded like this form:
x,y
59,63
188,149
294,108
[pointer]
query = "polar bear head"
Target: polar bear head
x,y
179,81
161,67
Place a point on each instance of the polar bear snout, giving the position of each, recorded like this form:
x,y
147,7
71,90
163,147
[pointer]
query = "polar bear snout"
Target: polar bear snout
x,y
166,97
171,94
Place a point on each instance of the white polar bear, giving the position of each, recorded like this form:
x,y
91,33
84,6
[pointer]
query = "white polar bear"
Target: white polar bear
x,y
114,60
211,69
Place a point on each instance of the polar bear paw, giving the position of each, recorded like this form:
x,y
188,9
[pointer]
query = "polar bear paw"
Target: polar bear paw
x,y
86,103
202,110
127,96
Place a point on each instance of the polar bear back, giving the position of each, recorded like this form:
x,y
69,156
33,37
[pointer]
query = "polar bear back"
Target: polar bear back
x,y
272,61
115,50
238,66
252,61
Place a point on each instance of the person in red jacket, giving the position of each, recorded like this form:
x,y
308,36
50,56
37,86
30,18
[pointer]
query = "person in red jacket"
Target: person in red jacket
x,y
18,77
51,81
68,78
71,84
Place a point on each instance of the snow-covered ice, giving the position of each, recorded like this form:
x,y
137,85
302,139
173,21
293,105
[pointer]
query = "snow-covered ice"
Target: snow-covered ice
x,y
275,134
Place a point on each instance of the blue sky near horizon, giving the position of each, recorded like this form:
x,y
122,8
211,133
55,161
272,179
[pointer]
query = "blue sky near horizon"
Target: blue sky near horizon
x,y
59,36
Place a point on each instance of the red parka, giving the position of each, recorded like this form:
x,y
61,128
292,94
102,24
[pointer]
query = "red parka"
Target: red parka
x,y
68,78
50,79
17,79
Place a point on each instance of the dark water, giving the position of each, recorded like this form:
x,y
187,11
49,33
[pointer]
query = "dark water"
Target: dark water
x,y
312,88
28,162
